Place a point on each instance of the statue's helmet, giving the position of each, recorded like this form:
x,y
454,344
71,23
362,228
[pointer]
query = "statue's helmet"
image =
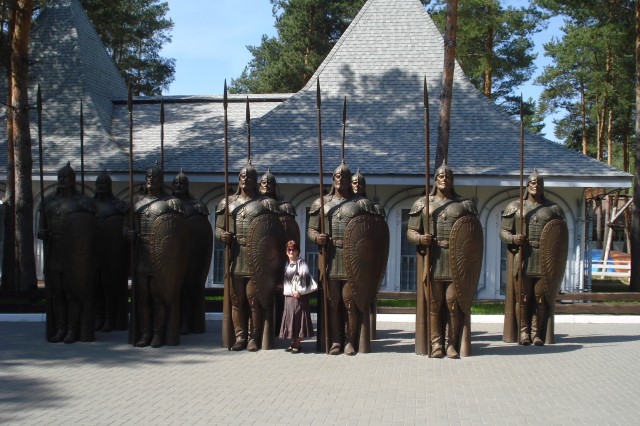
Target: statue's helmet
x,y
444,169
67,176
181,177
180,183
359,177
343,170
103,182
250,172
537,177
156,171
268,177
359,184
268,184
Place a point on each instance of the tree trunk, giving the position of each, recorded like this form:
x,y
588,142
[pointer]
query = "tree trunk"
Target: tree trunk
x,y
486,86
446,94
635,223
609,139
9,243
25,258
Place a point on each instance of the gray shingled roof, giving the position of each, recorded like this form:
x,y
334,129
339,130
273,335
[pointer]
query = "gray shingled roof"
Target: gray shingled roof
x,y
379,64
70,64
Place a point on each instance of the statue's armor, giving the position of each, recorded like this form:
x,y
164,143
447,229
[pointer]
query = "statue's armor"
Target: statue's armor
x,y
146,211
242,212
536,216
58,208
445,213
338,213
193,207
107,208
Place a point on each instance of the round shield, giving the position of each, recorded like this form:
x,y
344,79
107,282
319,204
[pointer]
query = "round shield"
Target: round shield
x,y
366,250
554,244
466,244
265,244
169,254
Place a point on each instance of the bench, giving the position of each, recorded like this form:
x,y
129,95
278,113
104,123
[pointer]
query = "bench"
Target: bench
x,y
598,303
611,269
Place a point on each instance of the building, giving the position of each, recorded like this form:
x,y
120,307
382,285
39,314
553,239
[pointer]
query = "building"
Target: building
x,y
379,65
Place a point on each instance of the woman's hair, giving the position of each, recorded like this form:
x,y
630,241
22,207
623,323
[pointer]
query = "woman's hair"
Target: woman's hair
x,y
291,244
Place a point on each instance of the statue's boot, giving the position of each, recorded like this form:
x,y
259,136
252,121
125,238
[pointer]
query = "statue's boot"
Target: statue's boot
x,y
336,328
238,316
60,316
539,322
353,327
256,327
159,323
434,334
453,331
144,321
73,321
523,324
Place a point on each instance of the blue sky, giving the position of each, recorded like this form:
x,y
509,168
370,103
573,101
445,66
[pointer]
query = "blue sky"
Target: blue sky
x,y
209,42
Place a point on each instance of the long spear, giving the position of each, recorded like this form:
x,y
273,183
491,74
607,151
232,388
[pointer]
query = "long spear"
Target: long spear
x,y
227,331
248,120
81,146
132,331
344,124
427,261
162,134
521,251
39,109
322,253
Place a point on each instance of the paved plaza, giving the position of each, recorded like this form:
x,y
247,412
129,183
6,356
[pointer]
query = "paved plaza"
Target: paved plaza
x,y
590,376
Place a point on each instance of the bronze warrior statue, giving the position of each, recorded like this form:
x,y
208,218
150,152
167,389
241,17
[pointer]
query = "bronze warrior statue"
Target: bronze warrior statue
x,y
356,247
160,265
359,187
287,215
269,193
537,237
68,229
199,249
449,239
256,239
112,273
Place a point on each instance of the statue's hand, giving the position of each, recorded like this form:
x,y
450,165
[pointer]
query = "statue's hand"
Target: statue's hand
x,y
426,240
43,234
226,237
519,240
322,239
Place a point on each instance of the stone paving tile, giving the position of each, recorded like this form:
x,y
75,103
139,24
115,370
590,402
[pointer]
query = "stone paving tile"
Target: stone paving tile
x,y
590,376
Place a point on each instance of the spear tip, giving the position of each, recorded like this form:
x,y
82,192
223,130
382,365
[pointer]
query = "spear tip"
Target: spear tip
x,y
225,94
129,99
318,100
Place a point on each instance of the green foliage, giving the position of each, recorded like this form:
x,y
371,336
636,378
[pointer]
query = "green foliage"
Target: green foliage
x,y
134,31
495,52
307,31
593,70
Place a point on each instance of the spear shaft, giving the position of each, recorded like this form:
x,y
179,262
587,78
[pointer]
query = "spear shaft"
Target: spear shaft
x,y
427,259
521,219
322,252
227,326
248,120
43,214
162,134
81,146
344,124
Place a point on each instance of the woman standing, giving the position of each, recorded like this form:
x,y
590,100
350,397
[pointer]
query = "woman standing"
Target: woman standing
x,y
297,285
